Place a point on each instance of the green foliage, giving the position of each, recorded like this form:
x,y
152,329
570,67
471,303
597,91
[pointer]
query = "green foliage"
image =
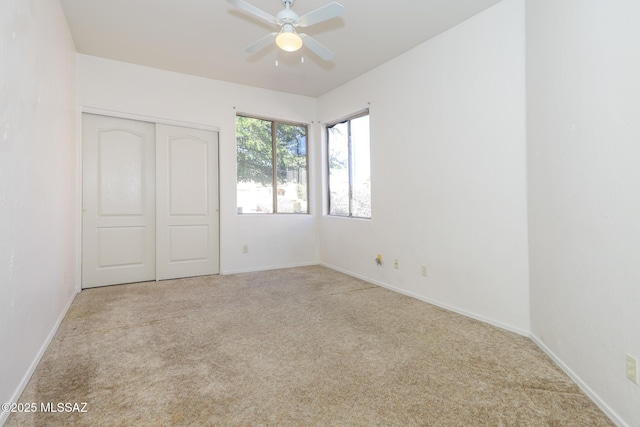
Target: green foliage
x,y
291,151
338,156
255,150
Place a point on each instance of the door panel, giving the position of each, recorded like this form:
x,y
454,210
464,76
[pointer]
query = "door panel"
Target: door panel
x,y
120,172
118,198
188,242
187,212
188,169
111,252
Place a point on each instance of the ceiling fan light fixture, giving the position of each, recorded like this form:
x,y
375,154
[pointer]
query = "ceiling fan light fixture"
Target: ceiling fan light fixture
x,y
289,41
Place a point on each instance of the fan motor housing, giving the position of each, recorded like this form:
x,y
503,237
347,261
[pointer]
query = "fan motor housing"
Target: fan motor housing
x,y
287,16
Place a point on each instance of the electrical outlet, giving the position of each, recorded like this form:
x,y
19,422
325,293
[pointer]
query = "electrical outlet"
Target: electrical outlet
x,y
245,249
396,264
632,368
424,271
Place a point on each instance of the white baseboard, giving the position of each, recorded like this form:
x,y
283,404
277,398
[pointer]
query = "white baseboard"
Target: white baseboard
x,y
583,386
576,379
592,395
268,268
433,302
34,364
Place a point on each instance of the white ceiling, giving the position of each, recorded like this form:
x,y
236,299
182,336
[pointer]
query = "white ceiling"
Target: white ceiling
x,y
207,37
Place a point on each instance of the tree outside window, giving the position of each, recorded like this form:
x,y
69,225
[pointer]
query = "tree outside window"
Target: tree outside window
x,y
272,166
349,167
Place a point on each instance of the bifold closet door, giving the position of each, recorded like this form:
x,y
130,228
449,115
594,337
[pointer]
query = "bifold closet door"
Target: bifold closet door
x,y
118,201
187,214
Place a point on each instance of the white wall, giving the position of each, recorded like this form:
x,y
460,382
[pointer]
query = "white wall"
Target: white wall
x,y
583,90
274,240
37,184
448,171
449,139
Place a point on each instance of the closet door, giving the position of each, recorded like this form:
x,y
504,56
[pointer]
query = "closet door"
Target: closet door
x,y
187,216
118,200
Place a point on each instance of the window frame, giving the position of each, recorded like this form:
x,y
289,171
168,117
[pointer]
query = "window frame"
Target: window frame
x,y
329,125
274,163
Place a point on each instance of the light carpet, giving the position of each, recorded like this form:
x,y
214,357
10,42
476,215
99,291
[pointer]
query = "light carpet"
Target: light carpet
x,y
296,347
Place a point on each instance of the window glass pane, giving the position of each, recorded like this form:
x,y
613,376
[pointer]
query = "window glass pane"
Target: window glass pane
x,y
291,159
361,168
338,151
255,165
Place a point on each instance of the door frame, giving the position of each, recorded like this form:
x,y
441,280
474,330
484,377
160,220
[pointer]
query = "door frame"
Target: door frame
x,y
79,188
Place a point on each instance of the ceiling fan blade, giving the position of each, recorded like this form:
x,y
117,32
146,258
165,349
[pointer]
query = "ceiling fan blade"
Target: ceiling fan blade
x,y
329,11
262,43
243,5
317,48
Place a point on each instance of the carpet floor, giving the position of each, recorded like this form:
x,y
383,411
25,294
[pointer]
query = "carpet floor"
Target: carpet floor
x,y
295,347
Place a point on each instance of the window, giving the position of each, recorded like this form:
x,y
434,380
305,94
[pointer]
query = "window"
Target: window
x,y
349,167
272,166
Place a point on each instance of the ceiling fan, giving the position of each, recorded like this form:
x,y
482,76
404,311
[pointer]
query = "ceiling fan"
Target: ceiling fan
x,y
288,38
